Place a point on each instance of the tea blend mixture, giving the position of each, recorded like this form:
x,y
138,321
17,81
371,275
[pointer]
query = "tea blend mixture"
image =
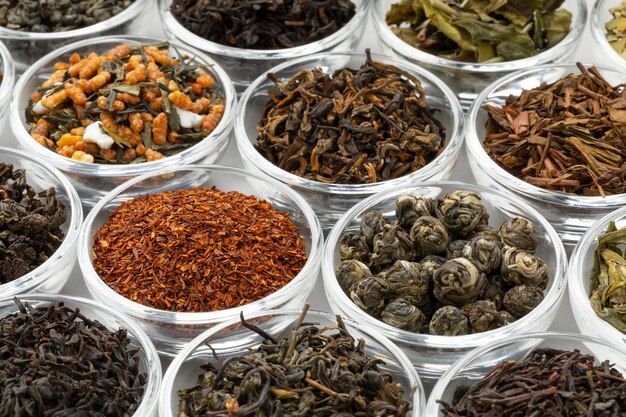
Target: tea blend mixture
x,y
317,371
135,103
195,250
608,279
350,127
480,31
566,136
57,16
439,268
263,24
29,224
545,382
54,361
616,29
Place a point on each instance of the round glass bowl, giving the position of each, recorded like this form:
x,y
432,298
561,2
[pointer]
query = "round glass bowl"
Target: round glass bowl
x,y
468,79
245,65
28,47
171,330
600,16
433,355
330,201
232,339
475,365
8,79
49,277
579,277
93,181
148,358
571,215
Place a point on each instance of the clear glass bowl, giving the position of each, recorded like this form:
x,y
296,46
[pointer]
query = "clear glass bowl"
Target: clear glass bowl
x,y
468,79
600,16
232,339
472,367
149,359
28,47
93,181
169,330
8,79
579,276
433,355
571,215
49,277
245,65
330,201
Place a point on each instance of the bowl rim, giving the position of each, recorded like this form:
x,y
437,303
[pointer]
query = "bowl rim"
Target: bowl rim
x,y
550,303
171,25
199,150
576,278
477,153
471,356
101,291
172,371
454,133
577,28
8,73
116,20
598,31
34,278
154,372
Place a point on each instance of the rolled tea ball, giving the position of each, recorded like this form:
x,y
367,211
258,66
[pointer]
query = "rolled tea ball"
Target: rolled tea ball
x,y
403,315
351,271
429,264
410,207
458,282
449,321
369,295
519,233
486,231
390,245
372,222
522,299
404,279
353,246
501,319
486,254
494,290
429,236
455,249
481,314
461,212
520,267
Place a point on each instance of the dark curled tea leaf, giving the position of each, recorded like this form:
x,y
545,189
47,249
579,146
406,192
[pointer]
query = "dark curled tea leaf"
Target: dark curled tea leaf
x,y
317,371
56,362
545,382
352,127
567,136
263,24
29,224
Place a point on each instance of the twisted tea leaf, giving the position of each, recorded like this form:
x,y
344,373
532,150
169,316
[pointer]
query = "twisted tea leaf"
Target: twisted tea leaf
x,y
455,249
410,207
403,315
461,212
486,254
369,295
458,282
429,265
353,246
404,280
519,233
372,223
520,267
449,321
522,299
350,272
390,245
429,235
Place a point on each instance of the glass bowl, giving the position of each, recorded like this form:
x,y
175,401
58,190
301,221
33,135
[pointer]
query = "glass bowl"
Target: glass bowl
x,y
578,277
8,79
571,215
330,201
245,65
472,367
93,181
149,359
468,79
28,47
49,277
433,355
600,16
169,330
232,339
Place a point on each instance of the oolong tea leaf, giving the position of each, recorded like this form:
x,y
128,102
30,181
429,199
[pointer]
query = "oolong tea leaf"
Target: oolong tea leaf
x,y
480,30
616,29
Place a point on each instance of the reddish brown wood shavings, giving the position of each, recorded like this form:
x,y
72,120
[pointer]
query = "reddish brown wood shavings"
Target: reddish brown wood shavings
x,y
197,250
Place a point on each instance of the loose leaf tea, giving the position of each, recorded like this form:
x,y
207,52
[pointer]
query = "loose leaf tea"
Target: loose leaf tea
x,y
197,250
608,279
480,30
545,382
133,104
350,127
263,24
439,267
317,371
566,136
57,16
29,224
54,361
616,29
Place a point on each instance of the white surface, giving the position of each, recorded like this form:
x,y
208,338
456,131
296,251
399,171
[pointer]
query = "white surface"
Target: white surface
x,y
147,25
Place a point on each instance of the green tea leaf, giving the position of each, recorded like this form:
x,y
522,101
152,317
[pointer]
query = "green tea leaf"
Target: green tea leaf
x,y
511,42
556,26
